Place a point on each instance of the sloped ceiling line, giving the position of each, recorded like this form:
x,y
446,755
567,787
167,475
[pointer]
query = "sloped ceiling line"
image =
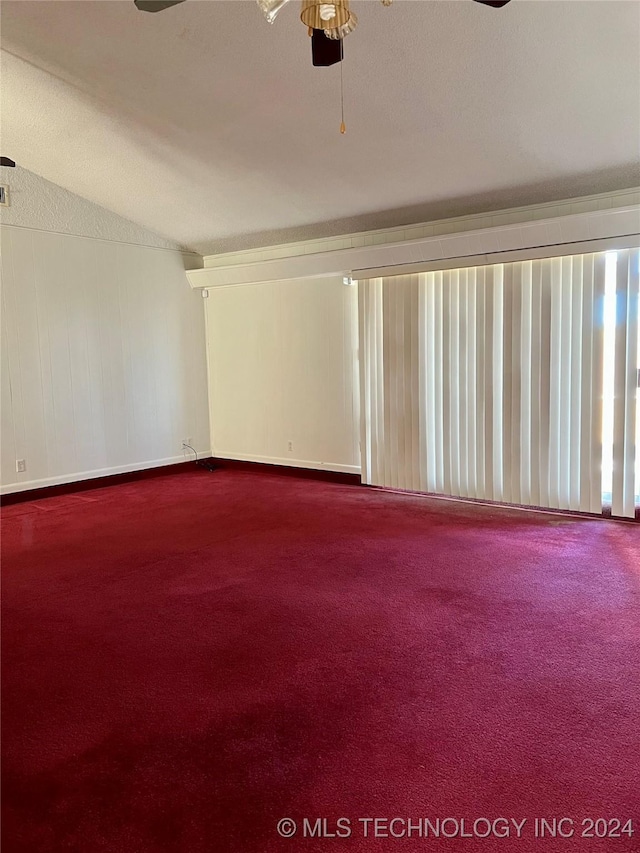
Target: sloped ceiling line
x,y
212,128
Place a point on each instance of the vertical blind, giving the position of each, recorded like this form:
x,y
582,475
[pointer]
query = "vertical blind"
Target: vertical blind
x,y
626,375
487,382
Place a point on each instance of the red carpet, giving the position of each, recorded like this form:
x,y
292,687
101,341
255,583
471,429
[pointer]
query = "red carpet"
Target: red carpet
x,y
191,658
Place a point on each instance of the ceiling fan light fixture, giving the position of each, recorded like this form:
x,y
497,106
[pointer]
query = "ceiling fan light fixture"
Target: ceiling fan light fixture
x,y
320,15
270,8
344,30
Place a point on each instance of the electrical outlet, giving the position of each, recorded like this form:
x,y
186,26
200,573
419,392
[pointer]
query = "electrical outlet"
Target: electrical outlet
x,y
187,441
21,466
290,446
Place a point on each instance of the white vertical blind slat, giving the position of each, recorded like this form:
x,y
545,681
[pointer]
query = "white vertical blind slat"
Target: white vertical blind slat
x,y
472,484
489,386
481,333
497,379
448,444
367,385
507,344
428,381
525,330
536,402
577,383
397,373
379,369
463,418
416,394
438,382
454,380
544,410
593,471
625,384
389,462
566,370
366,329
555,381
516,383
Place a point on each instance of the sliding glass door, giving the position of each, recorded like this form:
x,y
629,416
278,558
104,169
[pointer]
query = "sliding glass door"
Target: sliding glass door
x,y
511,382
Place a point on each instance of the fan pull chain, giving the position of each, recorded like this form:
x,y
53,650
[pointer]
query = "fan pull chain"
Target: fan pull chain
x,y
343,127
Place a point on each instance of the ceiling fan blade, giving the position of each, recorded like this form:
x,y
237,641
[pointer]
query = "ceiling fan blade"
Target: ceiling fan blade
x,y
497,4
155,5
6,161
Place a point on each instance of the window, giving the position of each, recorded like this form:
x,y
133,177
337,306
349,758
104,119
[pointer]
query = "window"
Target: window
x,y
510,382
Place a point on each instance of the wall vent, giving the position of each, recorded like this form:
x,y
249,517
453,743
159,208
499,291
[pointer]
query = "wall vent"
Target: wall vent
x,y
4,195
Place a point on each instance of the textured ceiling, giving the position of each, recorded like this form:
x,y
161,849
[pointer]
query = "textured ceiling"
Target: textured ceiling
x,y
212,128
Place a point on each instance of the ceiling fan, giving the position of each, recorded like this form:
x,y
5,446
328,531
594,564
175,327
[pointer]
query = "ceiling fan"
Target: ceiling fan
x,y
328,22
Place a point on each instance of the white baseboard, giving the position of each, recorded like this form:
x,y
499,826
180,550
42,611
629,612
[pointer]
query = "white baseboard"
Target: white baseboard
x,y
288,462
78,476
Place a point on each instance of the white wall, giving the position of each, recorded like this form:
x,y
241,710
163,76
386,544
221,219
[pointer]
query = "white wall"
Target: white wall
x,y
283,368
282,328
37,203
103,354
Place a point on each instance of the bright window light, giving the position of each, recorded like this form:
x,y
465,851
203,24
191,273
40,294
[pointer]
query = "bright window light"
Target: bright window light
x,y
609,322
637,487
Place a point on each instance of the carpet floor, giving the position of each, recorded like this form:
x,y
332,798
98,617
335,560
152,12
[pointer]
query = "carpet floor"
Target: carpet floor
x,y
192,658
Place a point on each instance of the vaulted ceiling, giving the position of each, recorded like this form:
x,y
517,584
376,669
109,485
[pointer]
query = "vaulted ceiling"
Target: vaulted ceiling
x,y
211,127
